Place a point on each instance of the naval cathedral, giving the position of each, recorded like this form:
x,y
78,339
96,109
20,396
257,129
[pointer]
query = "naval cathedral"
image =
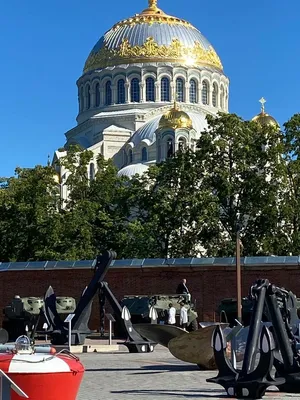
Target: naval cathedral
x,y
146,88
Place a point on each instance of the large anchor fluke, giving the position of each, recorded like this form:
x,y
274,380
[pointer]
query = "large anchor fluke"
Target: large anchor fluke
x,y
251,385
254,384
227,374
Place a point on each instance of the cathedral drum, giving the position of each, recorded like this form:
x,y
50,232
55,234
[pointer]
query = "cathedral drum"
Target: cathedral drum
x,y
41,376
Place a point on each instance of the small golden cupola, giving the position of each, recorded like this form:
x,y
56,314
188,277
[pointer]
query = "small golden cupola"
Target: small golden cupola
x,y
175,119
264,119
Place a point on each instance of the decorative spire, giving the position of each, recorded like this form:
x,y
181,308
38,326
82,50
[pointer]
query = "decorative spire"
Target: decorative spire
x,y
262,102
152,4
48,162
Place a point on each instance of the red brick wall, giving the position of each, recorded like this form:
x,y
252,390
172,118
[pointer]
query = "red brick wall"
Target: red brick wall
x,y
207,285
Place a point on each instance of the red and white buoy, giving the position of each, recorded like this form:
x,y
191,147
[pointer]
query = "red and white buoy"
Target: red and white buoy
x,y
42,376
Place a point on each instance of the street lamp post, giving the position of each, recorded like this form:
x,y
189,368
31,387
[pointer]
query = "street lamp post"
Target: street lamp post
x,y
238,275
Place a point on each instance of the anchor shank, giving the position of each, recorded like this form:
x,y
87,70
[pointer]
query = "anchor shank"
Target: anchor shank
x,y
254,330
280,332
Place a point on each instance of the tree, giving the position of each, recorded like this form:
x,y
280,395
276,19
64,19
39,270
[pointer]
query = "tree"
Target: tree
x,y
29,223
241,165
288,238
171,211
96,213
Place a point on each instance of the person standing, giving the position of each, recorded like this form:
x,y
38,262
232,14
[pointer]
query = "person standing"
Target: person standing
x,y
183,316
182,288
171,315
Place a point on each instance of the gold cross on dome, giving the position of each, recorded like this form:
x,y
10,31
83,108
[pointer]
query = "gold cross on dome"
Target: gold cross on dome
x,y
262,102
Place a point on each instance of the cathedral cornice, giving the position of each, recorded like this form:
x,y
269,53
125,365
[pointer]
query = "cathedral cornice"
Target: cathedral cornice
x,y
182,106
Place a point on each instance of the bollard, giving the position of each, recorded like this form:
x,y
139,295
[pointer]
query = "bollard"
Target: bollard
x,y
110,333
111,319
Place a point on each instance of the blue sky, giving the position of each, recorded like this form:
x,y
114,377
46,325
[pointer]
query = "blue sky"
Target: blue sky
x,y
44,46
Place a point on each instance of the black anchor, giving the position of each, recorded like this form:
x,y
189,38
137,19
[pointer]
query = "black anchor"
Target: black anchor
x,y
252,380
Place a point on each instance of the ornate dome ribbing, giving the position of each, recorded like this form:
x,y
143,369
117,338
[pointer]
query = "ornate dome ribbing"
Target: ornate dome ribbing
x,y
152,36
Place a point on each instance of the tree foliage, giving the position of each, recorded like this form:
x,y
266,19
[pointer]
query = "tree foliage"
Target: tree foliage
x,y
241,177
241,162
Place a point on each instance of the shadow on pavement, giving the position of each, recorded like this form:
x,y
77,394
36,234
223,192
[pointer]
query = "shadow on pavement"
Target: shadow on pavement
x,y
154,368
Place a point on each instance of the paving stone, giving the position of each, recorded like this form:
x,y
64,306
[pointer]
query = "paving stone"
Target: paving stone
x,y
151,376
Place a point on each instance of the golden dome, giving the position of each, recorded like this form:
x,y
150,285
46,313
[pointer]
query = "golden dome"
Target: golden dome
x,y
175,119
264,119
152,36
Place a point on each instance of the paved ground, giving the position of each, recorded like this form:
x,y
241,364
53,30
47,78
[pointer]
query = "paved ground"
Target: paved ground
x,y
152,376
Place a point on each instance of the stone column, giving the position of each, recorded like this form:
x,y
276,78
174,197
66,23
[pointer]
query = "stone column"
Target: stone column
x,y
127,94
157,91
142,92
114,94
79,103
85,101
93,98
187,92
199,94
102,96
172,92
210,95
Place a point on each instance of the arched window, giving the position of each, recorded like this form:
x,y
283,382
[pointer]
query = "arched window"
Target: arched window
x,y
130,156
215,95
165,89
170,148
205,92
222,97
193,91
121,91
81,105
150,89
88,97
92,171
135,90
97,89
108,93
179,90
144,154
